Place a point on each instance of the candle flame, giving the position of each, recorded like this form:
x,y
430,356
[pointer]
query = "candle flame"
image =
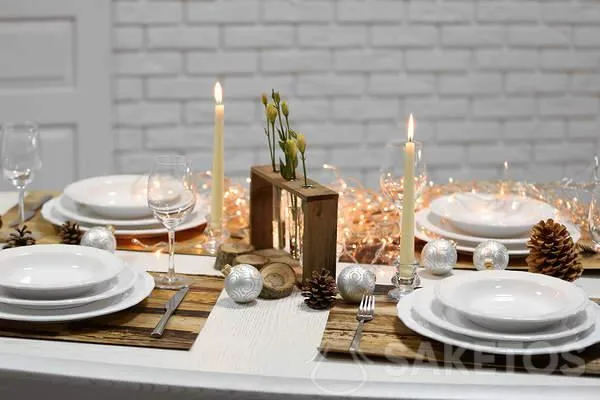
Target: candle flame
x,y
218,93
411,128
157,253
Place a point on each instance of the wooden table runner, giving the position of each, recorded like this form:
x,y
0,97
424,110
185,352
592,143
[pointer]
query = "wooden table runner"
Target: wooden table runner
x,y
386,338
132,327
188,242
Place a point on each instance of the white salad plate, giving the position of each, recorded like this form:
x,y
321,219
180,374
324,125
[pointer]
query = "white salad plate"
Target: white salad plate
x,y
432,311
114,196
141,289
511,301
85,215
492,215
194,220
117,286
573,343
55,271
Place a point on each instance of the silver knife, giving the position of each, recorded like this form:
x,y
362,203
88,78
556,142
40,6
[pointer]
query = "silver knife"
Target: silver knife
x,y
30,212
170,307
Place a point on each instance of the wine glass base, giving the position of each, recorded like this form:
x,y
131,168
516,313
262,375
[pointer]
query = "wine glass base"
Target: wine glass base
x,y
172,283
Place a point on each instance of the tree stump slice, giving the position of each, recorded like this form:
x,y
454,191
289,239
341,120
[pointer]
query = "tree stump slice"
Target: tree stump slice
x,y
251,259
278,281
271,253
229,251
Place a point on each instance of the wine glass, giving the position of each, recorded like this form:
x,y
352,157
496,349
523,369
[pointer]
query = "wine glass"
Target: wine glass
x,y
21,157
171,197
594,217
391,173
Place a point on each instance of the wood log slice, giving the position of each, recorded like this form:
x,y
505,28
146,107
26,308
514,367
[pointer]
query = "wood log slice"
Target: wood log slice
x,y
278,281
271,253
252,259
229,251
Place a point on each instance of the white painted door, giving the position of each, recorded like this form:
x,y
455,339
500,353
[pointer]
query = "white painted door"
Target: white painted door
x,y
54,70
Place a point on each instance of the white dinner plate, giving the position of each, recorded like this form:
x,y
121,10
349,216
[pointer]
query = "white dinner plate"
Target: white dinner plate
x,y
194,220
85,215
422,327
511,301
492,215
430,227
436,225
425,235
140,290
117,286
434,312
55,271
113,196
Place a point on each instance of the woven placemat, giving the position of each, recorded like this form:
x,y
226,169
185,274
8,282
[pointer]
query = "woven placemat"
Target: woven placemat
x,y
387,339
132,327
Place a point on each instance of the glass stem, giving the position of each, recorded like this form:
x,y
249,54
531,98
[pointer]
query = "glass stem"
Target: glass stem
x,y
171,272
22,205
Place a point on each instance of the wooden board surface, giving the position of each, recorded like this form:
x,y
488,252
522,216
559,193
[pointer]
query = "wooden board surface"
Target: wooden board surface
x,y
132,327
188,242
386,338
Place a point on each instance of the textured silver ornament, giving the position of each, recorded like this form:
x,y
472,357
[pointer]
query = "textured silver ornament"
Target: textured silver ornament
x,y
243,283
490,255
100,237
439,256
355,281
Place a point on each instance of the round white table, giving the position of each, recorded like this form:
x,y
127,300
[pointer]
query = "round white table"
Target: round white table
x,y
265,350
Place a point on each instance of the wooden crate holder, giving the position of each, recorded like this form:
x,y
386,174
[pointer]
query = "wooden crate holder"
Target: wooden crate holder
x,y
320,206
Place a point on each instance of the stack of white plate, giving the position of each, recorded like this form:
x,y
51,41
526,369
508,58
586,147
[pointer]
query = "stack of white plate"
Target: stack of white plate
x,y
51,283
470,218
119,201
504,312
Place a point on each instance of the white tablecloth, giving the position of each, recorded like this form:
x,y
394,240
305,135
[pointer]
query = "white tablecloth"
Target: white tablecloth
x,y
263,350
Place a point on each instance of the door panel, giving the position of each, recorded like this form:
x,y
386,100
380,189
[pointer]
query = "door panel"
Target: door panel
x,y
54,70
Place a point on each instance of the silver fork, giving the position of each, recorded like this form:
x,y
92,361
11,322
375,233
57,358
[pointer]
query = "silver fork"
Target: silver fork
x,y
366,312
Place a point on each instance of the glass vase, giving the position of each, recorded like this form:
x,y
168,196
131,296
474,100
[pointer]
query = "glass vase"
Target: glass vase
x,y
294,225
279,218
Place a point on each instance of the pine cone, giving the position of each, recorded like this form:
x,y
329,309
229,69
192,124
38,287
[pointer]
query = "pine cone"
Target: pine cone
x,y
552,251
70,233
22,237
320,290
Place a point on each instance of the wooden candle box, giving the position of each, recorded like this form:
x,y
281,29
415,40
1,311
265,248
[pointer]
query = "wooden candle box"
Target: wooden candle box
x,y
320,209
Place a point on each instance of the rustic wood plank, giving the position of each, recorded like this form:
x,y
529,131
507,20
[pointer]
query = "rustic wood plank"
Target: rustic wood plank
x,y
315,192
319,206
132,327
387,338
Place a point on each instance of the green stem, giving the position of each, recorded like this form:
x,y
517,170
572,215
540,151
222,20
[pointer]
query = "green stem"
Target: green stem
x,y
287,123
273,146
271,153
281,123
304,169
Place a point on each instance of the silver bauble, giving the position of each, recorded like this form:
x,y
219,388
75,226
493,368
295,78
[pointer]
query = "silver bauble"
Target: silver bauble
x,y
355,281
100,237
490,255
439,256
244,283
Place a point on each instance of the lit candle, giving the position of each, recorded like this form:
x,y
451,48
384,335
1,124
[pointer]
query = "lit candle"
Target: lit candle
x,y
407,241
217,173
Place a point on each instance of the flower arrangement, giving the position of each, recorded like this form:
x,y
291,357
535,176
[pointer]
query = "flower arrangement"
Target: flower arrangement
x,y
290,142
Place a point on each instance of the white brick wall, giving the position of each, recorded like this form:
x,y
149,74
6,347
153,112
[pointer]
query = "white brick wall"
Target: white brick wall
x,y
488,81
